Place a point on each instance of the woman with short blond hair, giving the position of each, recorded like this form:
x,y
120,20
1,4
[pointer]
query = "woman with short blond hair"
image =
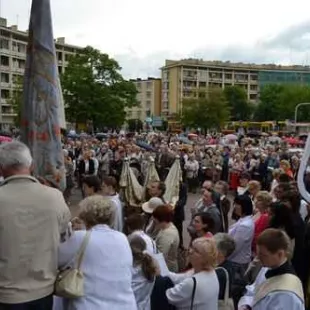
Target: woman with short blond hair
x,y
199,287
107,261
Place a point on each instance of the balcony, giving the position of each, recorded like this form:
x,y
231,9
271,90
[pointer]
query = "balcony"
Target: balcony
x,y
5,51
5,68
17,54
190,77
5,85
241,81
19,70
215,79
8,114
4,101
253,82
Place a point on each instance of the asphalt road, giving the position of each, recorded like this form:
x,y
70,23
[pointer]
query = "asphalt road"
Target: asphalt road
x,y
192,198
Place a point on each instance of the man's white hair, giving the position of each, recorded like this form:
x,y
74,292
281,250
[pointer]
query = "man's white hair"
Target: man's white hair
x,y
15,154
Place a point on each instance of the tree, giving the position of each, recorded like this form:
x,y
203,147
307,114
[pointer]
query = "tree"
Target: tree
x,y
206,111
134,125
238,102
94,90
16,100
268,106
278,102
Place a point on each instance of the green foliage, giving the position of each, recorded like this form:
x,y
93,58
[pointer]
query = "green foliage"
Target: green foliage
x,y
16,100
94,90
134,125
278,102
238,102
206,111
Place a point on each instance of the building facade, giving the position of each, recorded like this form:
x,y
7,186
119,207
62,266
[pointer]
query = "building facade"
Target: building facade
x,y
148,98
13,47
186,78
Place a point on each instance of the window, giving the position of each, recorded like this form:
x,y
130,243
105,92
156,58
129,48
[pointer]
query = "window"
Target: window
x,y
148,113
5,94
186,94
6,110
202,84
67,57
165,85
148,95
228,76
5,78
5,61
149,85
59,56
4,44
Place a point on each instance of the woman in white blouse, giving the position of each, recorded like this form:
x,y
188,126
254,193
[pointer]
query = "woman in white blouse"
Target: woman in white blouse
x,y
144,271
107,261
203,257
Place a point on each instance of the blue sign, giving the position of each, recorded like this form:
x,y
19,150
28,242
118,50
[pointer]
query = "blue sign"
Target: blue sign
x,y
157,121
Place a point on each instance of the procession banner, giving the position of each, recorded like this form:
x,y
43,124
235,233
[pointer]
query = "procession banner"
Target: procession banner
x,y
42,114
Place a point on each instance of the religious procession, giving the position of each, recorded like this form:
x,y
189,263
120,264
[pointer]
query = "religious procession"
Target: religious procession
x,y
146,220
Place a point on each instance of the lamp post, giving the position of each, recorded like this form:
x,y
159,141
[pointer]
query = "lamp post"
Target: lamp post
x,y
296,110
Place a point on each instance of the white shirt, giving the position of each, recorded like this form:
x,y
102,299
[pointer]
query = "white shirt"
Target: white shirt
x,y
242,232
118,220
150,244
206,295
303,209
142,289
107,269
86,166
96,165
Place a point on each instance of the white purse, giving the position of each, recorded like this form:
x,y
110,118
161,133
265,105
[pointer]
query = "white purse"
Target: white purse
x,y
227,303
70,282
160,260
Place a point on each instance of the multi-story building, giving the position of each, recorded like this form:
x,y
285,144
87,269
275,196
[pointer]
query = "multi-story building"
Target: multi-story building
x,y
13,45
186,78
148,97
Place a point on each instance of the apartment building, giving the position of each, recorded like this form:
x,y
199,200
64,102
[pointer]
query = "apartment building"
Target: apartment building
x,y
13,45
186,78
148,97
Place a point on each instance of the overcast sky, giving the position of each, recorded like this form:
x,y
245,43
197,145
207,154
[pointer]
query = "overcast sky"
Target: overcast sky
x,y
141,34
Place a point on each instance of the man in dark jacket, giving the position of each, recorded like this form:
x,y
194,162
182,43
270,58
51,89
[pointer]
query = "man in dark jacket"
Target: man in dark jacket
x,y
179,214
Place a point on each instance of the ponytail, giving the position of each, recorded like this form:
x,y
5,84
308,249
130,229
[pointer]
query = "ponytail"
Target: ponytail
x,y
141,258
148,266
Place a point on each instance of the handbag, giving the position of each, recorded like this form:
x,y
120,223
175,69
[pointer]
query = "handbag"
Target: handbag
x,y
193,293
227,303
70,281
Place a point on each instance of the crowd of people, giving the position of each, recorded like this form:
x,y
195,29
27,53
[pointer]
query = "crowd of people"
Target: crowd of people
x,y
247,244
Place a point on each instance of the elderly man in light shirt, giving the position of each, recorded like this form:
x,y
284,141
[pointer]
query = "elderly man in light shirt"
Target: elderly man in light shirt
x,y
33,217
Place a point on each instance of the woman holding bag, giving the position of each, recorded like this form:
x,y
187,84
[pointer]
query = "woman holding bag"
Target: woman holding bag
x,y
106,277
198,288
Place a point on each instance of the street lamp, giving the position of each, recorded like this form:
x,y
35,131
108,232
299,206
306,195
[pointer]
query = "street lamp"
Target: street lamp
x,y
296,110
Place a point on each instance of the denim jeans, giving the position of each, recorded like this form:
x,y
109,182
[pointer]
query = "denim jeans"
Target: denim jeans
x,y
45,303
